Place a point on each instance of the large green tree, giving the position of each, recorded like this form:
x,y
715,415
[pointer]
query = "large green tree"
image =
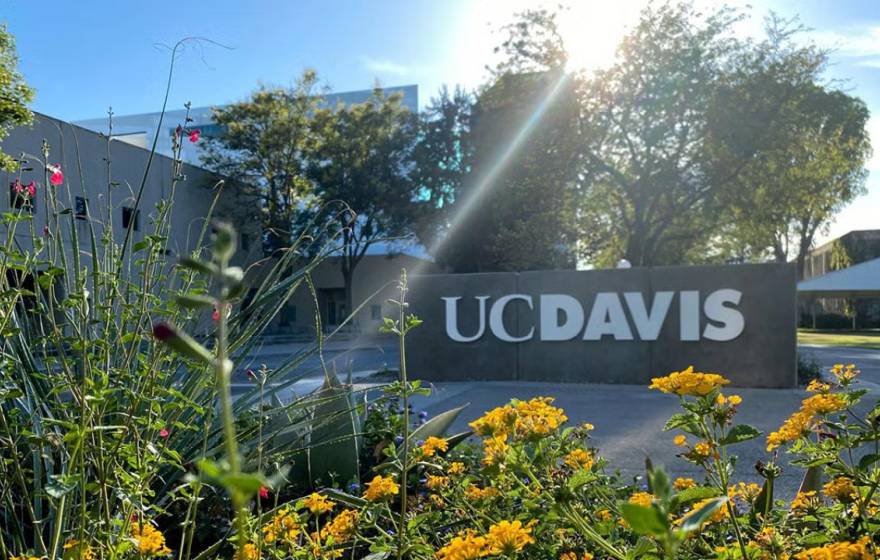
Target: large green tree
x,y
263,145
502,165
781,198
14,93
362,161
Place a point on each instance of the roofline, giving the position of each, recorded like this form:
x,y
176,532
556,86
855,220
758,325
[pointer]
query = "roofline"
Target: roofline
x,y
212,106
156,154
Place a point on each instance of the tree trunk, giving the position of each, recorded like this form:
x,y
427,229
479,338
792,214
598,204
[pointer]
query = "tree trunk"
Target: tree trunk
x,y
347,278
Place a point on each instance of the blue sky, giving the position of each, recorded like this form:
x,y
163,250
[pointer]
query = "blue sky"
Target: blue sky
x,y
82,57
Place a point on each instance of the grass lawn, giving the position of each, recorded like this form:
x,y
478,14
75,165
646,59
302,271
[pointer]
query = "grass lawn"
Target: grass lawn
x,y
858,339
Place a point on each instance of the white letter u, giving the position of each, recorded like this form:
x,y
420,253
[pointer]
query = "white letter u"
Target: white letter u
x,y
452,319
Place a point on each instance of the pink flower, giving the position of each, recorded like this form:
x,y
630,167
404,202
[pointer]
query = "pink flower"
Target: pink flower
x,y
16,187
194,135
264,492
56,177
46,231
163,433
216,314
31,189
250,373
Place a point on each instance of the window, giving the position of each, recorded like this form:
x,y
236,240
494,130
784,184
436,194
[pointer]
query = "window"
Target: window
x,y
376,312
131,217
245,240
81,210
22,196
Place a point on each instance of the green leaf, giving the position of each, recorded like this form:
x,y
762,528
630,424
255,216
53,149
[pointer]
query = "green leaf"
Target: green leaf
x,y
195,301
437,425
696,519
687,422
693,495
740,433
868,460
644,520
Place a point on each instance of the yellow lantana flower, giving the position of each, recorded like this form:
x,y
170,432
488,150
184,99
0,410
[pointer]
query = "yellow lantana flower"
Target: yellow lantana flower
x,y
432,445
149,540
683,483
579,459
381,488
317,504
465,546
506,537
841,489
689,382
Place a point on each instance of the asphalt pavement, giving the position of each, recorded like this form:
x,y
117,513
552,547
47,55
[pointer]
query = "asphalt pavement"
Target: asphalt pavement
x,y
628,419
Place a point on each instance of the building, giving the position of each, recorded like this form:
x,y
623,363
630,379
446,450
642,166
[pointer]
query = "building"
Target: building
x,y
852,248
140,129
99,194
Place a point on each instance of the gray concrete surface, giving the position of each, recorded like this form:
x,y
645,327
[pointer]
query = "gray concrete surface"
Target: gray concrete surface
x,y
629,419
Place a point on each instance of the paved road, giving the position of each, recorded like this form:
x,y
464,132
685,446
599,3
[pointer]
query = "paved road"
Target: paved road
x,y
868,361
628,418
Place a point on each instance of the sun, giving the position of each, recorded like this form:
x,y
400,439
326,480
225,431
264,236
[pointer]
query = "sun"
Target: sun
x,y
592,31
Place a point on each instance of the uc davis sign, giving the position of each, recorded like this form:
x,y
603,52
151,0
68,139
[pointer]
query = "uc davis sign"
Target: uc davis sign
x,y
607,326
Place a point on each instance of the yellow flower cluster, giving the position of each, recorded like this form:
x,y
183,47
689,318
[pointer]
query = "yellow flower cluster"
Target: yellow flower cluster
x,y
802,420
474,493
432,445
859,550
149,540
466,546
689,382
74,550
283,527
248,552
317,504
804,501
508,537
817,386
504,537
743,490
840,489
844,373
456,468
720,514
381,488
495,449
683,483
573,556
641,499
342,527
521,419
436,482
732,400
579,459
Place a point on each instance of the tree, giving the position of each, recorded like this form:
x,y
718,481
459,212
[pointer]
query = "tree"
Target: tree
x,y
646,167
264,146
363,158
786,194
14,94
443,156
507,159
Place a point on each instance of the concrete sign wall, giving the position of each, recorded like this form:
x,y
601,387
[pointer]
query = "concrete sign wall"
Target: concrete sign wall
x,y
607,326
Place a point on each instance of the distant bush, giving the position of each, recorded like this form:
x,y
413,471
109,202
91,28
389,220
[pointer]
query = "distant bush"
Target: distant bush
x,y
808,368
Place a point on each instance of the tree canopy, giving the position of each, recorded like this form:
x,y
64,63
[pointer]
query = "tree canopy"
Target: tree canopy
x,y
14,93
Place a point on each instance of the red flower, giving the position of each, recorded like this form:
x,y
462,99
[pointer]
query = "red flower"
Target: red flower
x,y
57,177
16,187
216,314
264,492
31,189
194,135
163,433
46,231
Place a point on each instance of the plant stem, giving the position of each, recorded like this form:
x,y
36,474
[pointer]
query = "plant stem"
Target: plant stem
x,y
405,400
